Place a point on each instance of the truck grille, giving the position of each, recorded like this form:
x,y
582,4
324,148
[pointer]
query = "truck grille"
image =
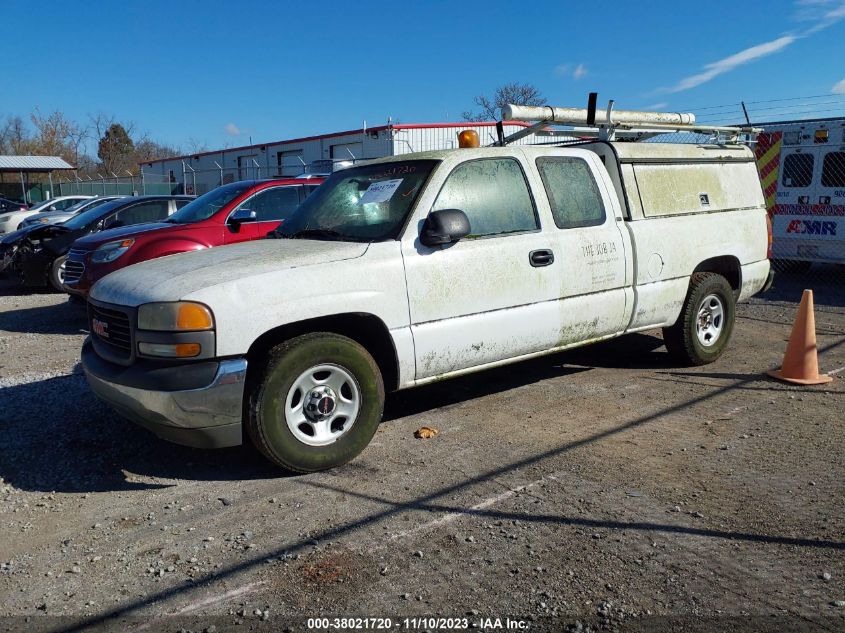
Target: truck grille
x,y
74,266
111,328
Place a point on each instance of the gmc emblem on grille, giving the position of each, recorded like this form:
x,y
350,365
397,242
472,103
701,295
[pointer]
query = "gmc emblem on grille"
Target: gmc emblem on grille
x,y
100,328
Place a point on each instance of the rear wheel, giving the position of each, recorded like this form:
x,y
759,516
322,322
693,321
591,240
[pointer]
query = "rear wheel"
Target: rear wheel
x,y
57,273
316,403
704,327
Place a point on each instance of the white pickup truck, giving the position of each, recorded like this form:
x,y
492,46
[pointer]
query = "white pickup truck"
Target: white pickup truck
x,y
415,268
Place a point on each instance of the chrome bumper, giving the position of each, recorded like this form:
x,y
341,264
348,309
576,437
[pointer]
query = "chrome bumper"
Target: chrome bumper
x,y
208,417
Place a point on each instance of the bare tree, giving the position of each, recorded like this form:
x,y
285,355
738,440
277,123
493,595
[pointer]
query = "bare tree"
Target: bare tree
x,y
15,138
195,146
147,150
515,93
56,135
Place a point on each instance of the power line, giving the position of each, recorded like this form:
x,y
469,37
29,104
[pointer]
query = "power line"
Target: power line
x,y
740,118
739,105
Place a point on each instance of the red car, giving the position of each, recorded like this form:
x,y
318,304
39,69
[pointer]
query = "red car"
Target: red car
x,y
237,212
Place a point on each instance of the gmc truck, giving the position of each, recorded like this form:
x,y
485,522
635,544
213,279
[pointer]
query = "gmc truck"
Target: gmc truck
x,y
412,269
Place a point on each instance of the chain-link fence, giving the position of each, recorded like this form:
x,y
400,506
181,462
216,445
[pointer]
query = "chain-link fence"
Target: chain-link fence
x,y
129,185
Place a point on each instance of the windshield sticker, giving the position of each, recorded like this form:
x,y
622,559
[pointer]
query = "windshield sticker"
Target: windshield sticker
x,y
380,191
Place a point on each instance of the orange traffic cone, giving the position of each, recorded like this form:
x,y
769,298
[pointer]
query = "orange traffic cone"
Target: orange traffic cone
x,y
801,360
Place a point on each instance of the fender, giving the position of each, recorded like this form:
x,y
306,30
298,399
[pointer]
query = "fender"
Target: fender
x,y
162,248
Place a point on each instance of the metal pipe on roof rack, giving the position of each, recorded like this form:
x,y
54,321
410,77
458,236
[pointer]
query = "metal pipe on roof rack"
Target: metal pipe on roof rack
x,y
578,116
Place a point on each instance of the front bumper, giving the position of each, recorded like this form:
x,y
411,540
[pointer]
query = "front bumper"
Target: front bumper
x,y
170,402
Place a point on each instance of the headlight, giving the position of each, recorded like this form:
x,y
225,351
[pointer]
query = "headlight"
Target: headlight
x,y
110,251
180,316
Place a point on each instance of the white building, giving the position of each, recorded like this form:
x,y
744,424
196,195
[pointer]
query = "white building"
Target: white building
x,y
204,171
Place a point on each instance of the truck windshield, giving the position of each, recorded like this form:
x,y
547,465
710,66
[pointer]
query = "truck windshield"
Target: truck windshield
x,y
366,203
210,203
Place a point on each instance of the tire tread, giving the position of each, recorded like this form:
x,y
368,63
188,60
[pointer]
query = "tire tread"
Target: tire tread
x,y
257,386
679,337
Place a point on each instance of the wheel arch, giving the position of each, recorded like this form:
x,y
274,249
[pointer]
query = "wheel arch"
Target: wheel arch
x,y
727,266
364,328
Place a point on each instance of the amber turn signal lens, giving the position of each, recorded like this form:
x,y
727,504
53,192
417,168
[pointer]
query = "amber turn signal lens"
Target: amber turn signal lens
x,y
170,350
186,350
192,316
468,138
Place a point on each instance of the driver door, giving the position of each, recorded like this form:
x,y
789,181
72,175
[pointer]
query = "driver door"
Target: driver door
x,y
492,295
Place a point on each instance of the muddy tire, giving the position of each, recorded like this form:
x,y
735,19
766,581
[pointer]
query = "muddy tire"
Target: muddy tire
x,y
315,403
56,274
704,327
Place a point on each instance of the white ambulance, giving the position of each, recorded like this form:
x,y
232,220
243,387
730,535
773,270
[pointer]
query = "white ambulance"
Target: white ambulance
x,y
802,169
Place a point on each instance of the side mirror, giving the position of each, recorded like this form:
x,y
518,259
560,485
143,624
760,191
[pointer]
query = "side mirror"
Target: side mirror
x,y
444,227
242,215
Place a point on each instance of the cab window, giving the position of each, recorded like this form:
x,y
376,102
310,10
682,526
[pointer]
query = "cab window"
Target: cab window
x,y
274,204
833,170
797,170
492,192
573,194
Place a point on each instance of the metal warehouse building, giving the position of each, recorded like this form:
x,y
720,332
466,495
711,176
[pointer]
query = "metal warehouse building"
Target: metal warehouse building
x,y
201,172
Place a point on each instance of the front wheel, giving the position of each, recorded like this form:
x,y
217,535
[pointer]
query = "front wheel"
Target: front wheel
x,y
704,327
316,403
56,274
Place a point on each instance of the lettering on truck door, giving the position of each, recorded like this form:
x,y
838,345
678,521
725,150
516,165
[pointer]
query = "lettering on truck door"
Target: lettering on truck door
x,y
481,300
590,248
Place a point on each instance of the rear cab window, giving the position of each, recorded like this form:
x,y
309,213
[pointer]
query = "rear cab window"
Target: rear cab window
x,y
573,194
494,195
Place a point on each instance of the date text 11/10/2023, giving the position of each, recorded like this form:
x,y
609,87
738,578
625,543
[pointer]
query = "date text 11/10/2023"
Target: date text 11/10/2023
x,y
415,623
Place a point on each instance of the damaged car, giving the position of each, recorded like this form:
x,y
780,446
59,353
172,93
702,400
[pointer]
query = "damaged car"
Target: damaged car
x,y
36,255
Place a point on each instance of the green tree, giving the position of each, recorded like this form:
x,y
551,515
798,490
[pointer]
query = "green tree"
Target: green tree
x,y
116,149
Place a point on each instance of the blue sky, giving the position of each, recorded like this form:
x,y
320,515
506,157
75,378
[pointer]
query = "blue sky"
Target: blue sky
x,y
219,72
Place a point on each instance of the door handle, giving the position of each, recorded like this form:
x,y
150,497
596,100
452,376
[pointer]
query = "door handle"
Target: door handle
x,y
542,257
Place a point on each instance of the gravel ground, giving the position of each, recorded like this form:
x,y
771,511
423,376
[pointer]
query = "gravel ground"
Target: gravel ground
x,y
599,489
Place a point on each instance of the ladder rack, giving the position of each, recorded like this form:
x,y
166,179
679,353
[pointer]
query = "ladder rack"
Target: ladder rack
x,y
609,124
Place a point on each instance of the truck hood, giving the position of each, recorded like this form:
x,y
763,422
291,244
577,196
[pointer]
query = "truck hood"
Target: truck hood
x,y
176,276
